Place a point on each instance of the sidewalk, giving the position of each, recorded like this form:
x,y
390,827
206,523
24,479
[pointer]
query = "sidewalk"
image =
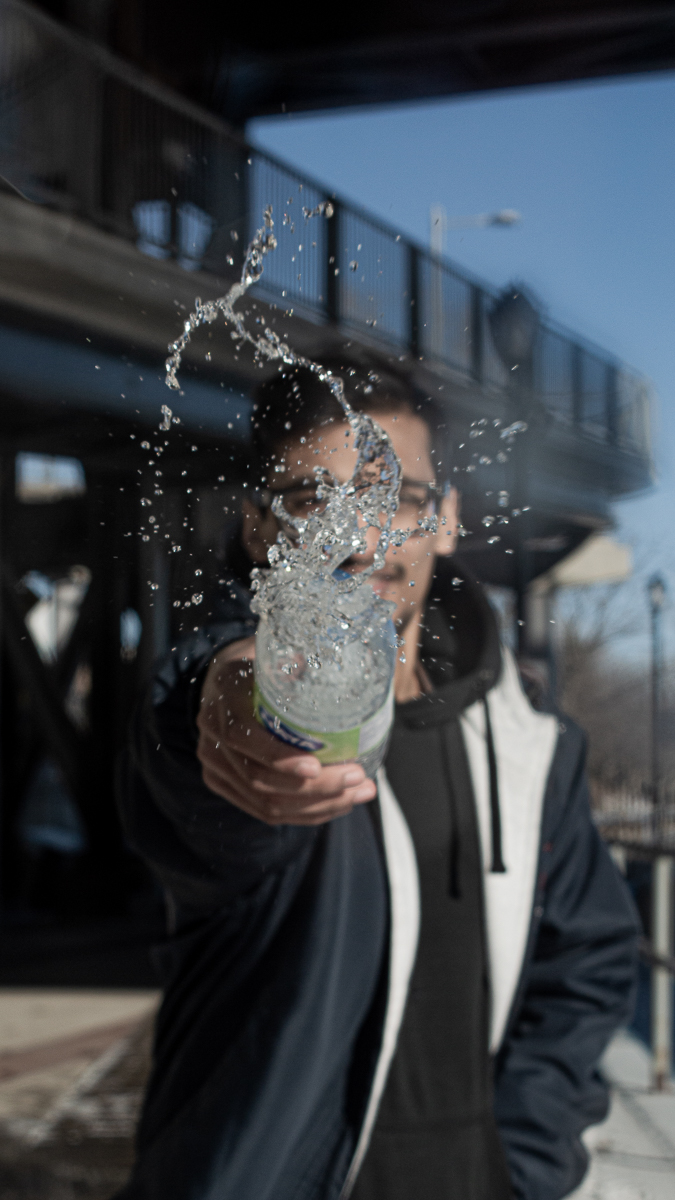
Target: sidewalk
x,y
73,1064
633,1151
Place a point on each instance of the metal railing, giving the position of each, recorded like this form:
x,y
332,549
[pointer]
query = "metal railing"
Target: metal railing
x,y
649,956
83,132
633,821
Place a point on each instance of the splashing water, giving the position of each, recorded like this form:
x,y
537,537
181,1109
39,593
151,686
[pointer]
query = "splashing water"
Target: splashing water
x,y
304,589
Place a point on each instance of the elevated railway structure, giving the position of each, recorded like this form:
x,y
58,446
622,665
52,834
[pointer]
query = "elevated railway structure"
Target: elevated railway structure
x,y
121,201
295,58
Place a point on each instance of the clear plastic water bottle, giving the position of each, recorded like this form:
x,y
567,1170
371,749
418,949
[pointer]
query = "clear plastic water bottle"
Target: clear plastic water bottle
x,y
342,708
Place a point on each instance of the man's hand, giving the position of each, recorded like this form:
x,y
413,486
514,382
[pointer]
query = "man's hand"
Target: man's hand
x,y
246,765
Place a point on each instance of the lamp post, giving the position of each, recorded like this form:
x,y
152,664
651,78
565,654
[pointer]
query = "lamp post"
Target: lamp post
x,y
514,325
656,593
662,869
440,222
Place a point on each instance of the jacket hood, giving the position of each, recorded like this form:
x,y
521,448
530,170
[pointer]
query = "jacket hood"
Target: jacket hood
x,y
460,647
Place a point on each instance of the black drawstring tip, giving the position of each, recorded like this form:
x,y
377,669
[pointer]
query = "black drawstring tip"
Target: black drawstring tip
x,y
497,867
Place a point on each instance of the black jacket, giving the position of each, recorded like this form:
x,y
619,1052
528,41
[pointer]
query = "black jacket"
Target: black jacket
x,y
276,992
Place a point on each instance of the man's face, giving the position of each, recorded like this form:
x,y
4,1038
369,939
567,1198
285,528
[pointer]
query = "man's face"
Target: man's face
x,y
408,570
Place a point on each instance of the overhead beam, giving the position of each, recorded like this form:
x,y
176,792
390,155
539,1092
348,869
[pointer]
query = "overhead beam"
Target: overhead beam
x,y
416,58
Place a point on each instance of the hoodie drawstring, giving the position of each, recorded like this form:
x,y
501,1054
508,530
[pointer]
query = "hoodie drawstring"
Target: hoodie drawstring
x,y
454,848
495,816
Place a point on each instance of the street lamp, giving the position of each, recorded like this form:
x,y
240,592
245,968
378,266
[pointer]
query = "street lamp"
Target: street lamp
x,y
662,869
656,594
440,222
514,321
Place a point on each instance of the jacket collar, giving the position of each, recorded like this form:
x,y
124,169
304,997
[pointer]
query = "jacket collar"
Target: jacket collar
x,y
460,647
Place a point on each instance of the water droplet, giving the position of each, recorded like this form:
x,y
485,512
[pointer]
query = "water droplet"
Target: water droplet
x,y
511,430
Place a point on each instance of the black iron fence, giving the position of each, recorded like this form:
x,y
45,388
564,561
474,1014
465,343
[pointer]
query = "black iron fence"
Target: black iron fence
x,y
83,132
652,959
632,820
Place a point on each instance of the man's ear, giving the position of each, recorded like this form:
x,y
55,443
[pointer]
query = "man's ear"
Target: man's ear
x,y
259,531
448,523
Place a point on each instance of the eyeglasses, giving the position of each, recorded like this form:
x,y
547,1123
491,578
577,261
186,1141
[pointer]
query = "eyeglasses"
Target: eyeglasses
x,y
416,499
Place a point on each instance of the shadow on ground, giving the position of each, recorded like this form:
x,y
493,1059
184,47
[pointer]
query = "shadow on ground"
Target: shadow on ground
x,y
81,1147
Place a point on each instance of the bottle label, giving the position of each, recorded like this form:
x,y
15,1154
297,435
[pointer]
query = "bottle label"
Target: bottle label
x,y
327,747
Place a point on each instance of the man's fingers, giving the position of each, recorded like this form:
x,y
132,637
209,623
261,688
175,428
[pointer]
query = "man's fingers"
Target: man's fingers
x,y
324,782
320,785
247,766
333,783
258,744
261,752
225,775
279,810
264,754
330,782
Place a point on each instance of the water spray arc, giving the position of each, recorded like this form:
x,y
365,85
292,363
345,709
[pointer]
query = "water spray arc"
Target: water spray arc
x,y
331,694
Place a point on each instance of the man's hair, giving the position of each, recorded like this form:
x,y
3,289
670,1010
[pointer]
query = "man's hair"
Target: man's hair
x,y
295,402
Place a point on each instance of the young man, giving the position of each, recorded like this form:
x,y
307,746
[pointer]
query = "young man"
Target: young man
x,y
382,989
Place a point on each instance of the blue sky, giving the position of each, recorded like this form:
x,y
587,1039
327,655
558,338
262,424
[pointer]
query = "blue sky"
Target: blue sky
x,y
592,170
